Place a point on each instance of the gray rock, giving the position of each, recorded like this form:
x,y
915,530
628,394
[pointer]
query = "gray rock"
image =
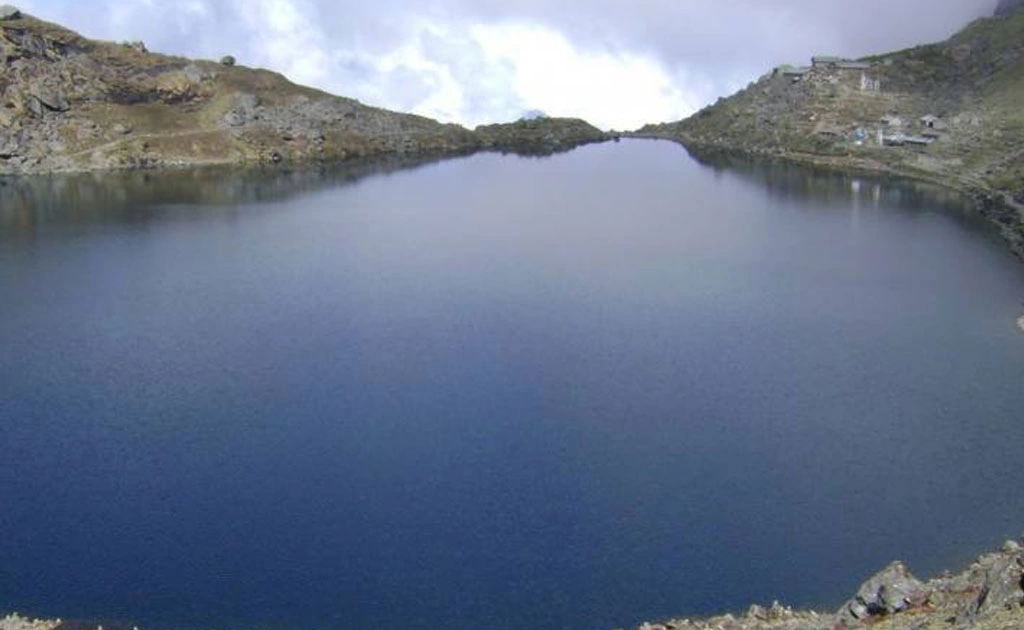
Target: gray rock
x,y
227,60
234,119
8,146
52,99
8,12
121,129
195,74
247,102
31,45
757,613
892,591
35,107
1001,587
246,110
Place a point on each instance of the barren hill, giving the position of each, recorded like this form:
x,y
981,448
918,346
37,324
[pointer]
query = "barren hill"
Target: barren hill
x,y
950,112
71,103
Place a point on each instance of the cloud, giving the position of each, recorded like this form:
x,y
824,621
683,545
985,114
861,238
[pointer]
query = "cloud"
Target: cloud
x,y
618,63
289,38
611,88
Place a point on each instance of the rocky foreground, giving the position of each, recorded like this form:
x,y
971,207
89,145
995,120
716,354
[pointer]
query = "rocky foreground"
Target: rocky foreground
x,y
989,595
949,112
68,103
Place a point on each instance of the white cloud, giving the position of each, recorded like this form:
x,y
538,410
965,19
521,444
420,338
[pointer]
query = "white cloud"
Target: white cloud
x,y
482,73
285,35
613,89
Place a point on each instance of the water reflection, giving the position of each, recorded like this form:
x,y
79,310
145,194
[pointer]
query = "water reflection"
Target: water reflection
x,y
29,203
790,181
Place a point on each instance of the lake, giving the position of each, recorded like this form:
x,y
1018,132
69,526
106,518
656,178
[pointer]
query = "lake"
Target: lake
x,y
574,392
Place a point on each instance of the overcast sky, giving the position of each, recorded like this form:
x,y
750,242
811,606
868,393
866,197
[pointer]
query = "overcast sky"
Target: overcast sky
x,y
617,63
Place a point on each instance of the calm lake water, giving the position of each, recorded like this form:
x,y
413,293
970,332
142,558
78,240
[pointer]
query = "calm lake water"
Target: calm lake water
x,y
566,393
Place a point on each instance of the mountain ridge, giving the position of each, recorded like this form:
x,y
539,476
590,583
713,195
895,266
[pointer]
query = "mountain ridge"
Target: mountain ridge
x,y
69,103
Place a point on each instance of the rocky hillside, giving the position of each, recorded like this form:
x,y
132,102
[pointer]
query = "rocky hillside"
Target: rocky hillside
x,y
949,112
71,103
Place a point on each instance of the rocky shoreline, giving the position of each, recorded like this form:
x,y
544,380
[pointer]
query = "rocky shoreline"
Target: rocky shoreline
x,y
988,595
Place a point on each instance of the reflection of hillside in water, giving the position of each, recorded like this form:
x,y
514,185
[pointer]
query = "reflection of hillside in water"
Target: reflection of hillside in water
x,y
27,204
830,188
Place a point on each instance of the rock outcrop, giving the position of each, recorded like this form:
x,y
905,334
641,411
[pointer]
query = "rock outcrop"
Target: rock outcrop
x,y
17,622
67,103
987,596
892,591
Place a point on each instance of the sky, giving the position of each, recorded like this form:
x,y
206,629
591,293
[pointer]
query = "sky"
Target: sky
x,y
617,63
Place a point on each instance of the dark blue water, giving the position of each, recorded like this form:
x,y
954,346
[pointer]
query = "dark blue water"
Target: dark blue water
x,y
575,392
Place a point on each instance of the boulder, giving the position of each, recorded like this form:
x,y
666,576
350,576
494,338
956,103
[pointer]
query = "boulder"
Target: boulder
x,y
51,99
8,146
31,45
245,111
891,591
175,87
35,107
195,74
8,12
1002,581
227,60
777,612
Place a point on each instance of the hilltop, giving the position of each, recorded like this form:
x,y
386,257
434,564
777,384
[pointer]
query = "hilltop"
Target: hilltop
x,y
68,103
948,112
